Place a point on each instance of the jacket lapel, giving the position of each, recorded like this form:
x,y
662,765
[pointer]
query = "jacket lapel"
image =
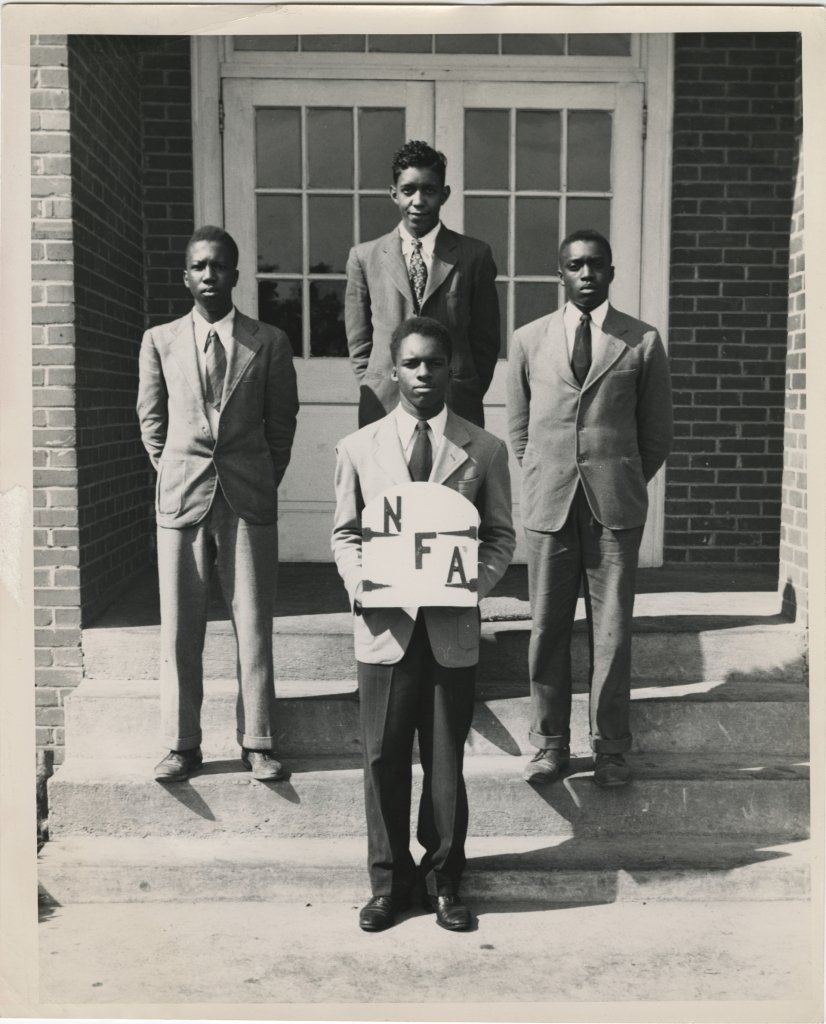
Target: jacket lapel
x,y
182,348
557,348
445,254
246,346
387,451
611,349
393,263
451,452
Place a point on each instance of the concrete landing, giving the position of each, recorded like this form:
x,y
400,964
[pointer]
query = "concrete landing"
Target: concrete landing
x,y
518,963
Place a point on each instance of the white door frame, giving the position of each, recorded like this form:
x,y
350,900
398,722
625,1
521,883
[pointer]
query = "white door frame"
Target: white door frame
x,y
655,70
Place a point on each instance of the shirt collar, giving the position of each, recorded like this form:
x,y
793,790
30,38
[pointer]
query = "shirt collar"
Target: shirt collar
x,y
572,315
223,327
428,241
406,425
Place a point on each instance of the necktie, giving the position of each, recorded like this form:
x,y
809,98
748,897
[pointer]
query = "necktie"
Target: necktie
x,y
581,357
418,272
216,368
421,458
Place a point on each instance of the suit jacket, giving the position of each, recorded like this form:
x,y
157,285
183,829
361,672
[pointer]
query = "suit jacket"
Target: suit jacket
x,y
460,293
251,451
612,434
470,461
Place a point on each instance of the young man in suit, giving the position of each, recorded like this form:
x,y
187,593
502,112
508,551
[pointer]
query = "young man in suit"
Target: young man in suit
x,y
217,404
416,668
422,268
590,421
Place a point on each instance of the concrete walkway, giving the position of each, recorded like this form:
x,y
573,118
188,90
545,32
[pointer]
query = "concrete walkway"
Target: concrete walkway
x,y
258,954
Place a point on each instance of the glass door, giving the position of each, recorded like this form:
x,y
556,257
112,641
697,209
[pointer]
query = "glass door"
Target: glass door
x,y
306,175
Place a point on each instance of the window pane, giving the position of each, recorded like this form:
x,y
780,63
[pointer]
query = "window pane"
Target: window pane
x,y
590,213
341,44
502,291
538,143
488,43
537,236
279,304
279,234
381,133
378,215
330,147
488,219
327,336
400,44
331,233
278,147
533,43
486,149
589,151
610,44
533,300
282,43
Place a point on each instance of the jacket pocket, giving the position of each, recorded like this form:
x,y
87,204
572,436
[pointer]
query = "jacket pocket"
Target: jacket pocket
x,y
170,488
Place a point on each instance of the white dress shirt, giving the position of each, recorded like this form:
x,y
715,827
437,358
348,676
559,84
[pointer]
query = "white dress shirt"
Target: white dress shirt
x,y
406,426
428,245
223,328
571,317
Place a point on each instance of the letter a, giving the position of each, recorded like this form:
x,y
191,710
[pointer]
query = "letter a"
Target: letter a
x,y
395,516
456,566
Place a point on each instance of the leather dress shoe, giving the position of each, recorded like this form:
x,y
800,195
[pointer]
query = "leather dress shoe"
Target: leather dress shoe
x,y
379,912
547,765
451,913
178,765
611,770
264,765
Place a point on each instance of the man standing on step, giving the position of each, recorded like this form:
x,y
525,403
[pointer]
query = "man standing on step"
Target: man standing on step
x,y
422,268
217,403
416,667
590,421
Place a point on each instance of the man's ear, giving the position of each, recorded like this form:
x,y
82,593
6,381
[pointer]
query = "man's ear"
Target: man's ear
x,y
446,193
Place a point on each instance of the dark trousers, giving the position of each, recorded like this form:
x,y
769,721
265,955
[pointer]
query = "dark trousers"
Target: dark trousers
x,y
397,701
606,560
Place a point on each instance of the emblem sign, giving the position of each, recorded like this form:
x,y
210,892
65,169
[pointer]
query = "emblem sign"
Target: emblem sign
x,y
419,547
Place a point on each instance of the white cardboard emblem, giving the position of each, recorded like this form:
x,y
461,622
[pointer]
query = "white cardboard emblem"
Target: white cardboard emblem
x,y
419,548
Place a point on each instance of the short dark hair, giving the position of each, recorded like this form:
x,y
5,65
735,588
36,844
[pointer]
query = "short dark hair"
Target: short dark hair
x,y
416,153
587,235
424,325
212,233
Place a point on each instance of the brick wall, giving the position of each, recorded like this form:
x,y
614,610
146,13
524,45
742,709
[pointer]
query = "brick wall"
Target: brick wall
x,y
111,211
733,177
794,577
56,535
109,290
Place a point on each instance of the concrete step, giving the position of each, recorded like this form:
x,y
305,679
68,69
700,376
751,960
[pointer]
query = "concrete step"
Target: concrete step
x,y
499,869
670,795
667,647
120,718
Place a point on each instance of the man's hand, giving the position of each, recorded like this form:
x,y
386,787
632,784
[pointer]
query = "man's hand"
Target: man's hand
x,y
357,598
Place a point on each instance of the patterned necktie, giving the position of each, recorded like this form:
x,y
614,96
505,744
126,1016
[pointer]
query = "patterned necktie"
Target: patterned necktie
x,y
421,458
581,357
418,272
216,368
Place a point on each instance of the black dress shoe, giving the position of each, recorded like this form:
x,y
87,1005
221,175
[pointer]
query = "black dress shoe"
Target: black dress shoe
x,y
451,913
547,765
178,765
379,912
264,765
611,770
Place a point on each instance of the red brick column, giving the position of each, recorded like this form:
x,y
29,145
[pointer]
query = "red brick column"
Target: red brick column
x,y
58,659
794,574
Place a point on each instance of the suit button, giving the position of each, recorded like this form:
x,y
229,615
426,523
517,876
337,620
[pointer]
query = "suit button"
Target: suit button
x,y
582,458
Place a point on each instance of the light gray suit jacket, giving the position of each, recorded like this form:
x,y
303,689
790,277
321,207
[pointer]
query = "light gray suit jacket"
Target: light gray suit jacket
x,y
252,448
460,293
470,461
612,434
